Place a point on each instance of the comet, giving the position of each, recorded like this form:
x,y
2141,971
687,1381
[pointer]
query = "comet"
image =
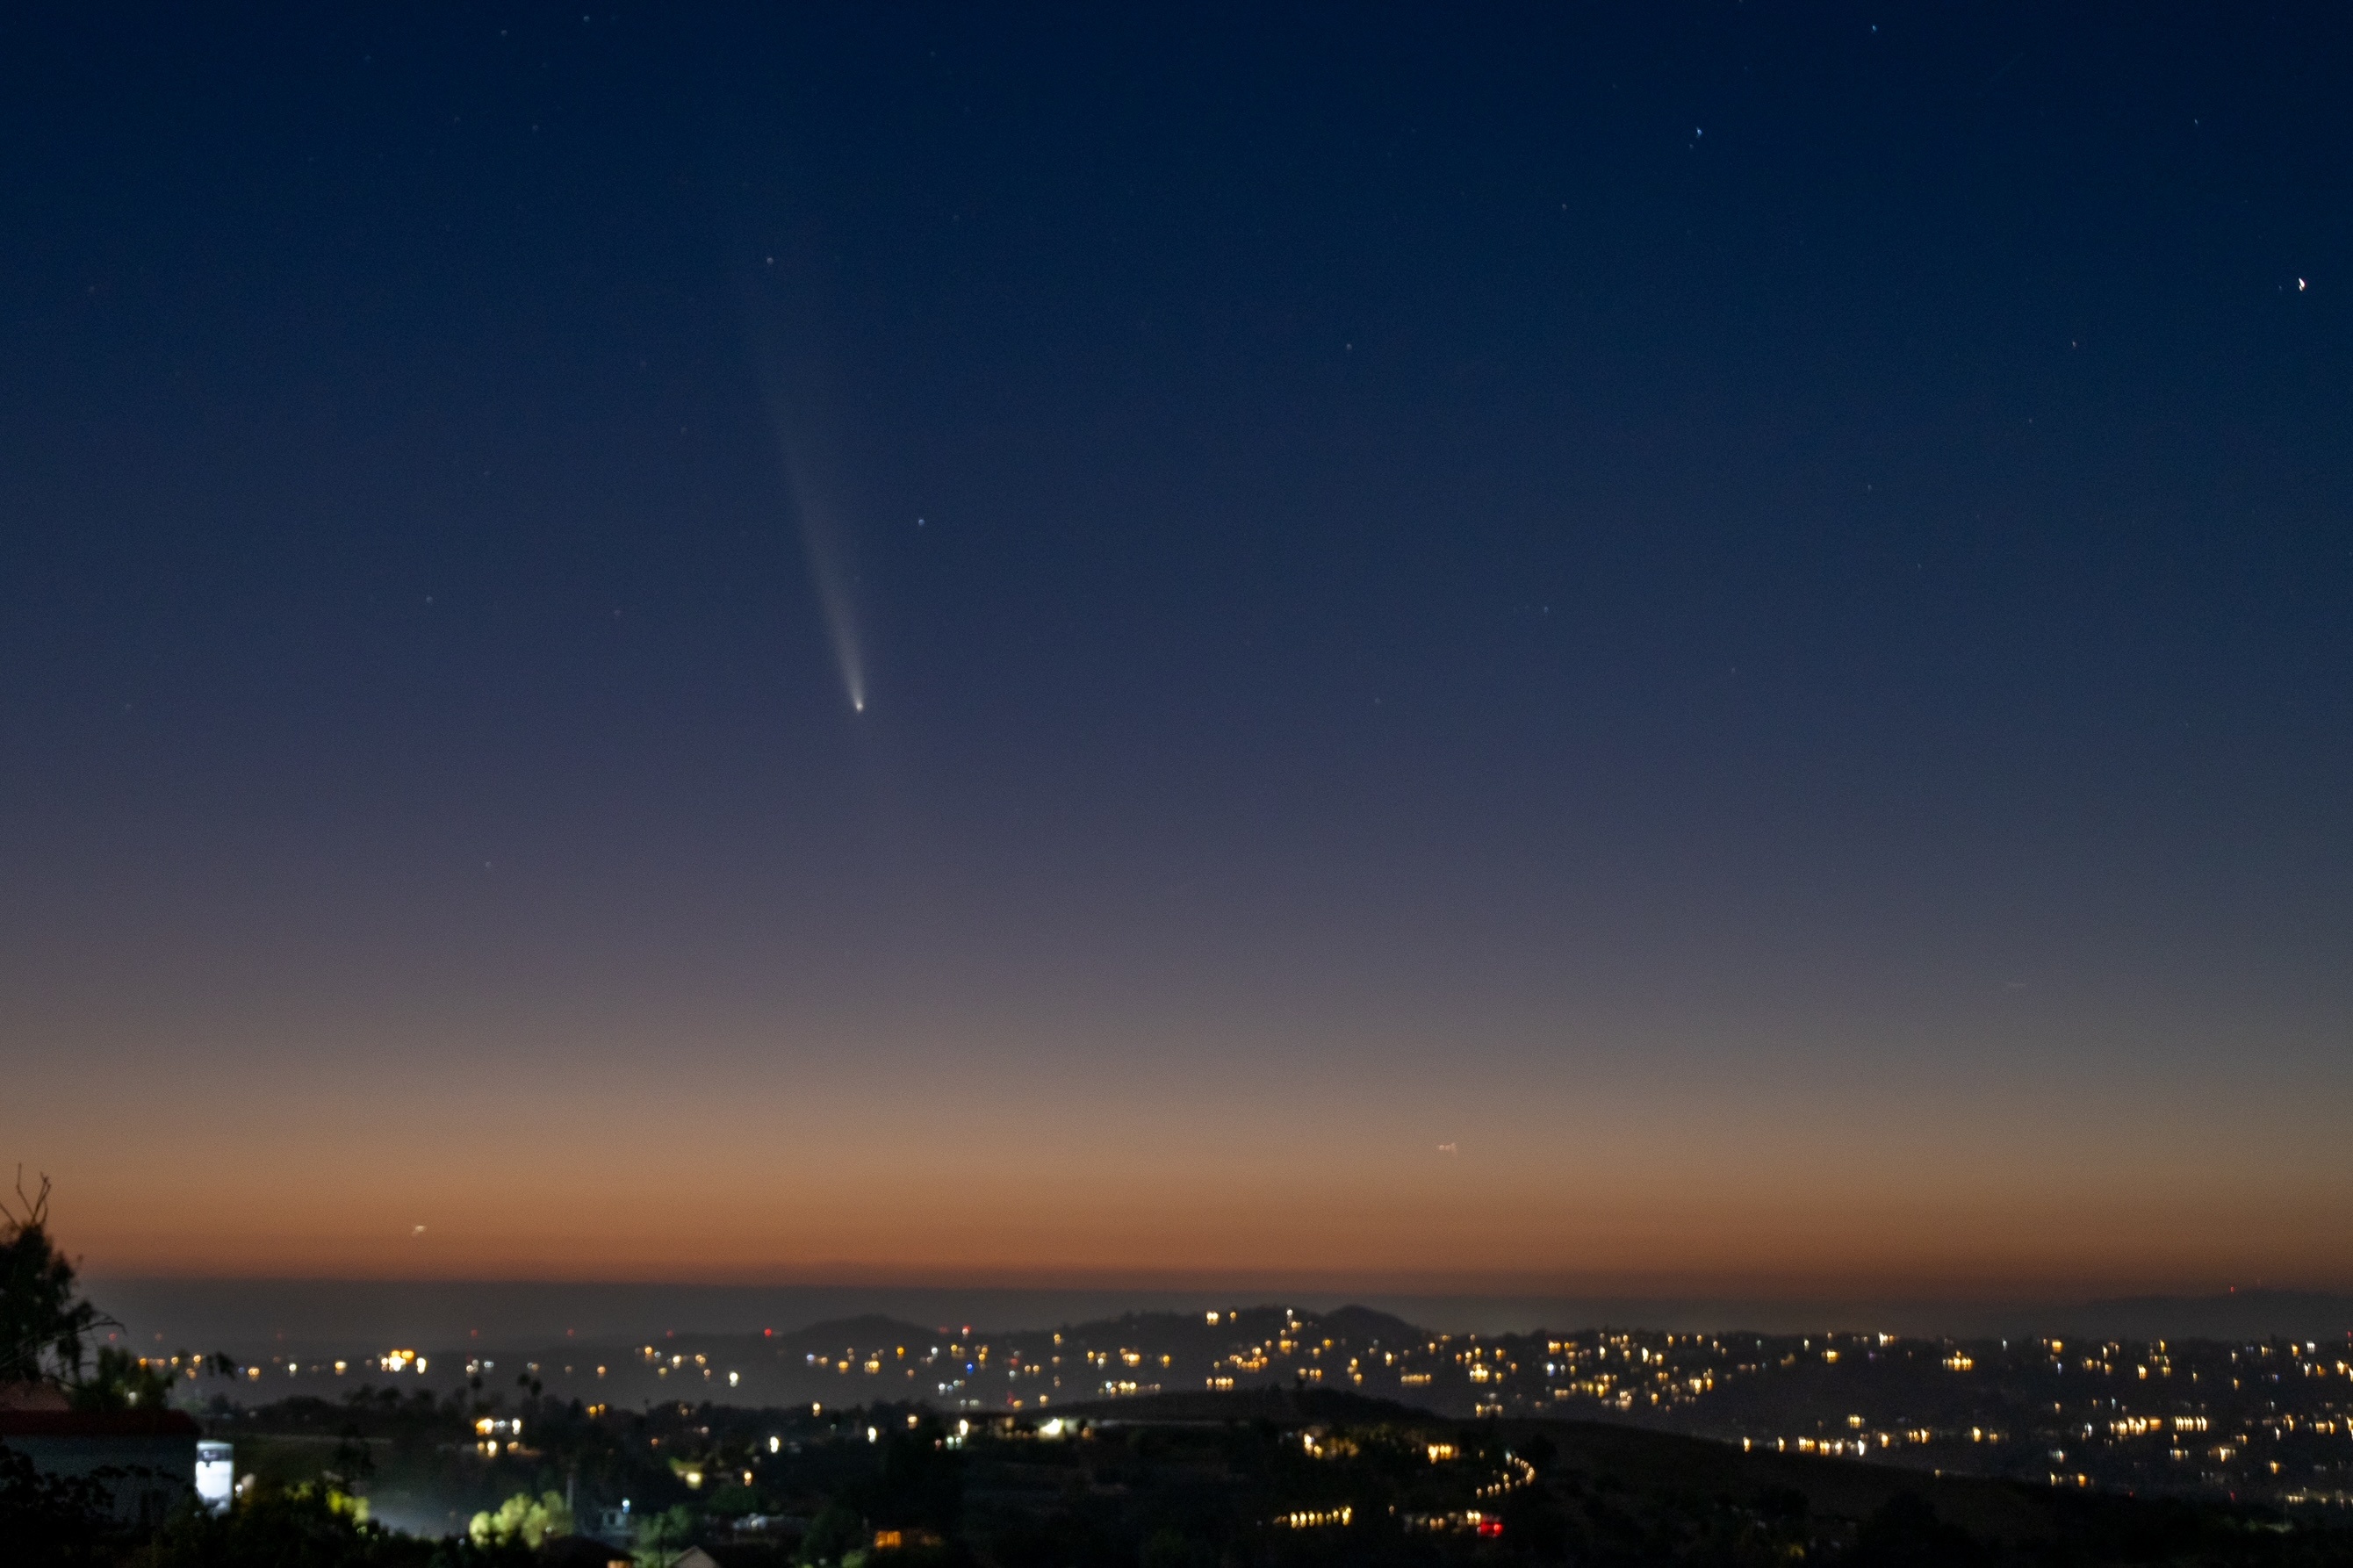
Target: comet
x,y
823,537
821,546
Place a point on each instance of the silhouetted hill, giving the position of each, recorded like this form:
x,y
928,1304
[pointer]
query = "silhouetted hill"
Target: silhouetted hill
x,y
866,1329
1640,1463
1282,1405
1371,1327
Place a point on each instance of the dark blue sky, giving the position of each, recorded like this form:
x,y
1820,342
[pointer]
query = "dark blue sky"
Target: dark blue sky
x,y
1483,576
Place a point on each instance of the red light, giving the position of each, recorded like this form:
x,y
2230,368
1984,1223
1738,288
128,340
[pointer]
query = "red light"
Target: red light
x,y
1490,1527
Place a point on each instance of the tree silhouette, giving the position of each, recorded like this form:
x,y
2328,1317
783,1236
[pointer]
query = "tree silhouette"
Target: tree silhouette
x,y
43,1321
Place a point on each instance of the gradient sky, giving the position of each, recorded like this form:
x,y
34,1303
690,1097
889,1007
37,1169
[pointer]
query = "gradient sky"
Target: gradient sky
x,y
1739,611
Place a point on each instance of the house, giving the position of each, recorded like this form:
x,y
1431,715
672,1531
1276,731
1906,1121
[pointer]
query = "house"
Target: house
x,y
147,1458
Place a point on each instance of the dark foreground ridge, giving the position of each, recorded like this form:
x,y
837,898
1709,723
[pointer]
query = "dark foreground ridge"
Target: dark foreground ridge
x,y
1275,1475
2258,1419
1837,1489
1589,1491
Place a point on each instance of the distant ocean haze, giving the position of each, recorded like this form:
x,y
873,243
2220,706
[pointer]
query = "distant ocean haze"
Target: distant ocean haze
x,y
255,1320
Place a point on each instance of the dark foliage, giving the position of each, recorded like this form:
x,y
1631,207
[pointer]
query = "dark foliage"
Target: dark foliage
x,y
43,1323
302,1526
1907,1533
919,1484
117,1381
50,1519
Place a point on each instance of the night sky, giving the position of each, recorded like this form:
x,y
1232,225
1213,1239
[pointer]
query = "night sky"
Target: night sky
x,y
1650,647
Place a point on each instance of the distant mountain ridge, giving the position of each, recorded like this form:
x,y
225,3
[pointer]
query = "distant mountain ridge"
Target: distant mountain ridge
x,y
1375,1327
258,1318
838,1333
2243,1315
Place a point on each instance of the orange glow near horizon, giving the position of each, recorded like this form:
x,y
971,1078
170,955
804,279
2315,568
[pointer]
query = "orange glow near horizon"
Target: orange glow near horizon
x,y
1610,1191
1679,1156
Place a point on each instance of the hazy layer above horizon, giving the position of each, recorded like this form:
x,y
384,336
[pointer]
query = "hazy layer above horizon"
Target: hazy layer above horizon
x,y
254,1318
